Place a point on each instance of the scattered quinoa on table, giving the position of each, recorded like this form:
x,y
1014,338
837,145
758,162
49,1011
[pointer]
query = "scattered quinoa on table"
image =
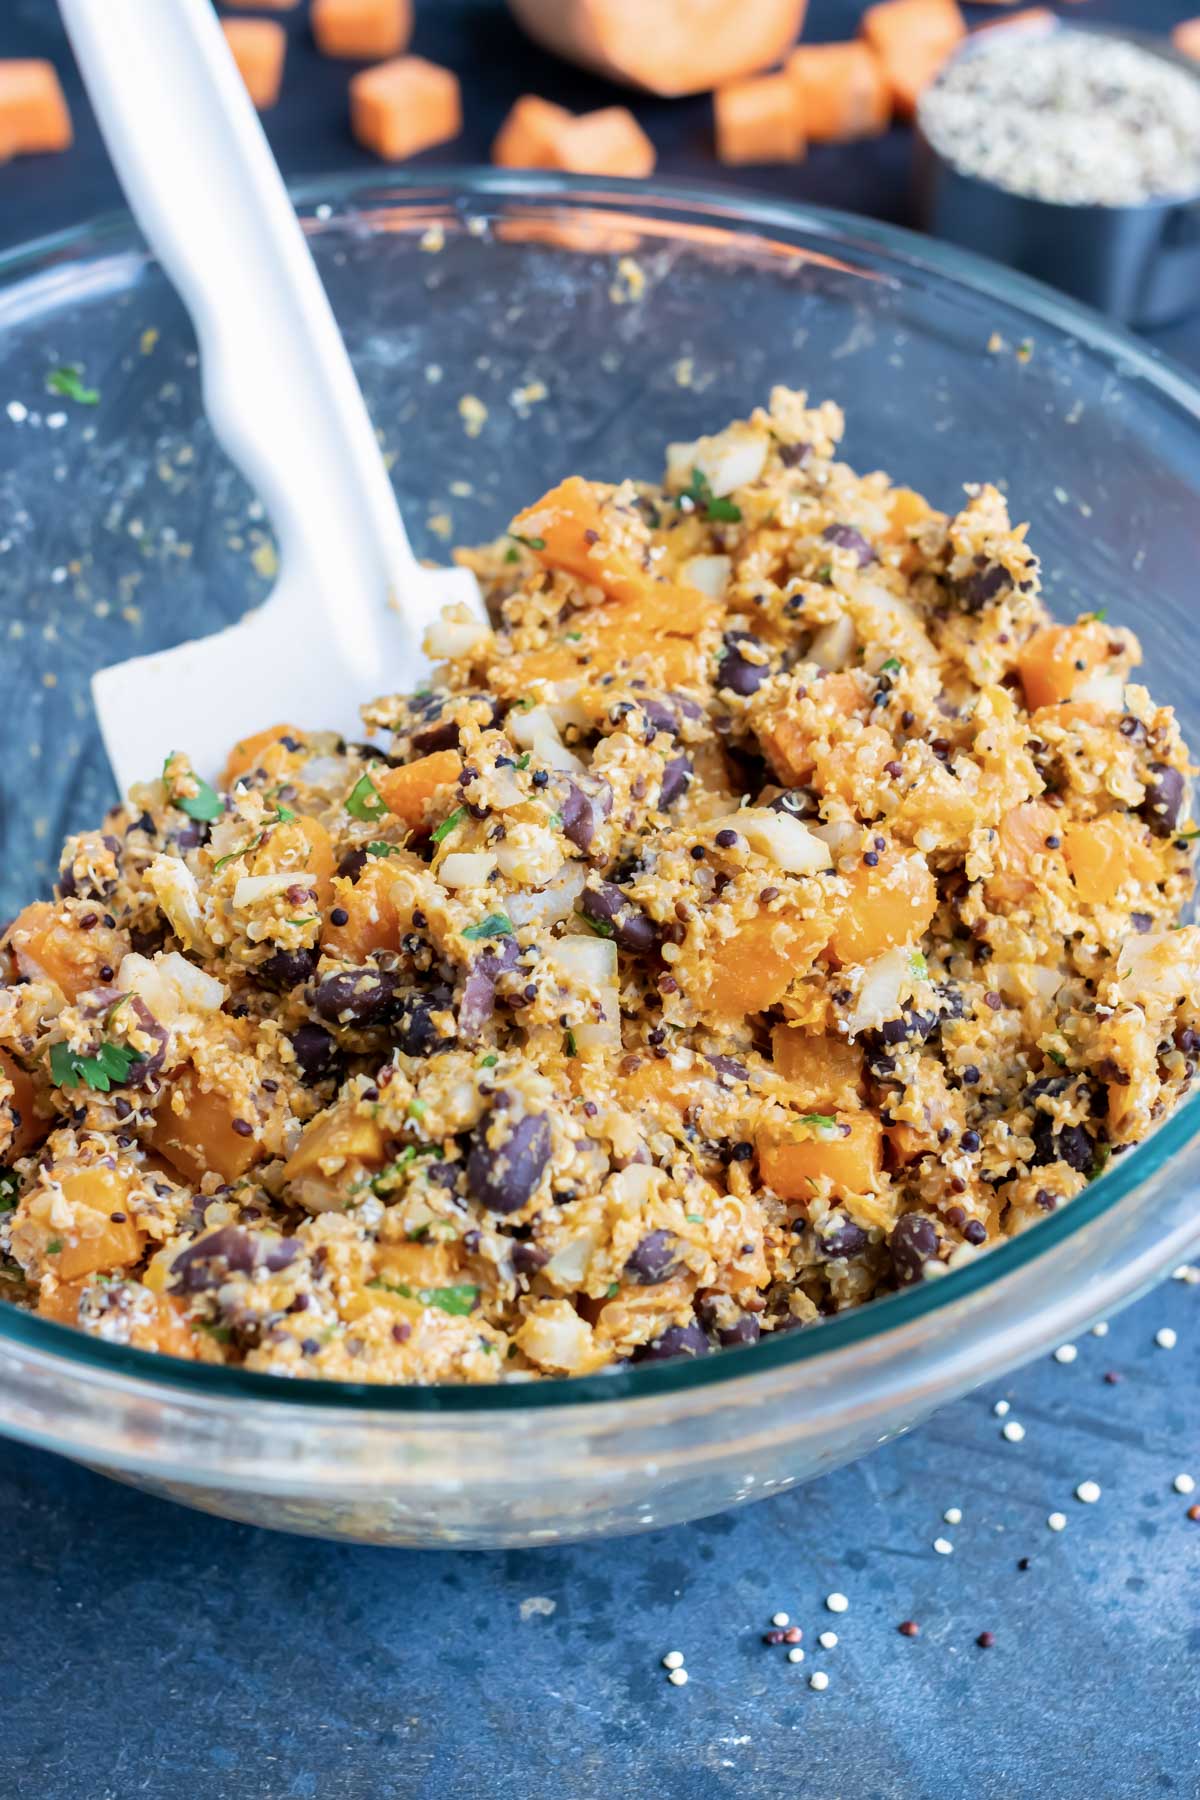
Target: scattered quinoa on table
x,y
772,908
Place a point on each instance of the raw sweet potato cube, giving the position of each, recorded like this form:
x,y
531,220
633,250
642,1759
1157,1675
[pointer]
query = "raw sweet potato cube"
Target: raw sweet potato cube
x,y
841,92
608,142
529,136
33,110
912,39
400,107
259,47
759,121
365,30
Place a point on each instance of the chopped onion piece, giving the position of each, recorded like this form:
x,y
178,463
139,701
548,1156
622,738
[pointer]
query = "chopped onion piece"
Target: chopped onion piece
x,y
170,985
708,573
536,730
884,983
591,962
790,845
251,889
466,868
1107,691
555,901
455,633
834,645
732,459
1163,964
174,887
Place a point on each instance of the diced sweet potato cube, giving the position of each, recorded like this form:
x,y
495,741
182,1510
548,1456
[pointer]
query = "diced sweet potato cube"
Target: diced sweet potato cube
x,y
1022,850
528,138
759,121
372,922
340,1135
912,39
788,744
197,1136
259,47
400,107
825,1068
607,142
33,110
849,1154
755,967
96,1241
840,91
675,47
566,529
262,750
406,790
1186,37
21,1127
429,1265
1105,854
160,1328
889,905
365,30
47,942
1058,659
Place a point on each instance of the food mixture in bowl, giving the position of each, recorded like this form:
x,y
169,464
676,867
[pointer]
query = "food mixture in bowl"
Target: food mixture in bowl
x,y
773,908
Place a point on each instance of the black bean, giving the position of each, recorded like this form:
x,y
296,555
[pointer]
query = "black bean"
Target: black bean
x,y
841,1237
745,1330
357,996
211,1259
527,1259
676,776
1141,921
505,1177
847,538
278,1255
797,803
728,1066
632,929
976,590
794,456
583,813
1163,805
316,1053
287,969
1133,729
914,1242
1071,1145
737,672
975,1231
653,1260
353,864
676,1340
413,1027
478,1000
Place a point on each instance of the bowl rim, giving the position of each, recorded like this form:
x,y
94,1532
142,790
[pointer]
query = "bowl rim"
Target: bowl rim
x,y
733,211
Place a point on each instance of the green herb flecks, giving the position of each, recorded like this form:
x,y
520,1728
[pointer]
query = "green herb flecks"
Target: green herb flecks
x,y
918,968
111,1063
488,1062
570,1047
379,848
68,383
448,824
600,927
495,925
699,492
530,543
892,666
10,1187
205,804
54,1247
821,1121
614,1287
458,1300
365,802
1101,1161
1056,1056
523,759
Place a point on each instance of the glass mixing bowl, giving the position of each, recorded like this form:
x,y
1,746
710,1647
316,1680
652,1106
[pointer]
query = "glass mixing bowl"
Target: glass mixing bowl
x,y
645,313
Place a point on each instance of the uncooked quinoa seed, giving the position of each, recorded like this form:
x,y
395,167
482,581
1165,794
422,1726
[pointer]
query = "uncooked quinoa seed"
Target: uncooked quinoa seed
x,y
1070,117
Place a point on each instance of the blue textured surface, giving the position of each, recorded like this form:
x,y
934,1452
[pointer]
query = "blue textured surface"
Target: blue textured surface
x,y
149,1651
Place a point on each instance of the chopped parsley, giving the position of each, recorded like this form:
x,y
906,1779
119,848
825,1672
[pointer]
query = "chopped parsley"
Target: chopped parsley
x,y
1187,837
600,927
488,1062
206,804
512,554
699,492
694,1218
68,383
459,1300
54,1247
112,1062
824,1120
614,1287
574,637
570,1047
1056,1056
379,848
448,824
1101,1162
523,759
365,801
284,815
416,1109
495,925
530,543
892,666
555,820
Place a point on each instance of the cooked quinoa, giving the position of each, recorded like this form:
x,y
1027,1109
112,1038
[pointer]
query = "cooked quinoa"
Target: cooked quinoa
x,y
771,909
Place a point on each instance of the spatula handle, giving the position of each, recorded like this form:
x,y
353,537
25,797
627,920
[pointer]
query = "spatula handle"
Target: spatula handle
x,y
279,389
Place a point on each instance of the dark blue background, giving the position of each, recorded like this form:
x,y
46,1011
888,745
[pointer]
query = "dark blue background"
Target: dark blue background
x,y
147,1651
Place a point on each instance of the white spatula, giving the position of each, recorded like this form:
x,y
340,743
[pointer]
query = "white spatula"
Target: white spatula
x,y
347,615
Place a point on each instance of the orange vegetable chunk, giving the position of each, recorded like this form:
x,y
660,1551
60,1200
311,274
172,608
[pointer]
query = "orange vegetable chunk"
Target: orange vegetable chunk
x,y
406,790
259,47
366,30
1023,832
96,1241
401,107
372,922
827,1067
18,1118
889,905
671,47
759,121
1105,854
528,138
1058,659
262,750
33,109
851,1160
841,92
607,142
339,1135
755,967
47,942
200,1138
912,39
